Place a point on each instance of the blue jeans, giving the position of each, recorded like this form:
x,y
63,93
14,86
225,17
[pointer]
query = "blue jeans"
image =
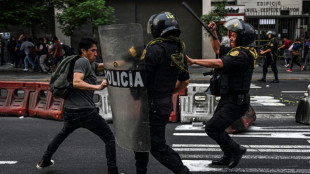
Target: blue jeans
x,y
28,60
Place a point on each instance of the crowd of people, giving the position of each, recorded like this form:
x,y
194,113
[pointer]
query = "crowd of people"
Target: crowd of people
x,y
36,54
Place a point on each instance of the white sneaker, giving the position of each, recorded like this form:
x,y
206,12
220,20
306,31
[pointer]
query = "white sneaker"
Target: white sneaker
x,y
25,69
287,65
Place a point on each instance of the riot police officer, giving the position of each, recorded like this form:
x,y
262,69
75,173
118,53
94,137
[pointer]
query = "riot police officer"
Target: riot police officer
x,y
271,56
233,87
167,73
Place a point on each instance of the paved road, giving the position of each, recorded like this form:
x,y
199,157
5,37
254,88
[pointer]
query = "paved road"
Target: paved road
x,y
274,146
276,143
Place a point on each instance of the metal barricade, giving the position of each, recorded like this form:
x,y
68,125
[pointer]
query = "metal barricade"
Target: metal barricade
x,y
303,109
102,102
197,106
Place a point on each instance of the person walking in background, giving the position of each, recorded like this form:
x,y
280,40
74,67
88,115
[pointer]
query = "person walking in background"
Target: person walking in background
x,y
27,46
57,55
295,53
286,53
19,54
11,48
271,57
43,57
2,45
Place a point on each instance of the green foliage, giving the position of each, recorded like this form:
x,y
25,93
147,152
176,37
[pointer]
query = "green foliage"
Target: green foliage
x,y
217,15
23,12
75,13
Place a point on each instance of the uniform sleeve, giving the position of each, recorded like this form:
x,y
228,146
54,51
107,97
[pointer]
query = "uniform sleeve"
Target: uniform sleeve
x,y
224,50
238,61
81,65
184,75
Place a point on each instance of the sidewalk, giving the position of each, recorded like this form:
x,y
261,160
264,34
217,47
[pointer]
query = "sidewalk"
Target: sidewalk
x,y
195,73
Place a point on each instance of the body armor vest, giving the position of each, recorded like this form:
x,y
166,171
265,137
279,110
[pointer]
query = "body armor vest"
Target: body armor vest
x,y
162,83
240,81
234,81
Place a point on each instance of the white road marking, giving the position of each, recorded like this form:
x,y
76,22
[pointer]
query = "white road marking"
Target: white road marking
x,y
8,162
247,146
265,101
253,86
294,92
272,104
247,135
261,97
273,157
251,129
203,166
248,150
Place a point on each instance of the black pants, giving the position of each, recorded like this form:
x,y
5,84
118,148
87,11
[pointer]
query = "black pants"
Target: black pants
x,y
159,116
273,63
88,119
227,111
295,60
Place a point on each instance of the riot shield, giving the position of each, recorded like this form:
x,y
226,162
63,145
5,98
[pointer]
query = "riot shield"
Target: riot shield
x,y
122,46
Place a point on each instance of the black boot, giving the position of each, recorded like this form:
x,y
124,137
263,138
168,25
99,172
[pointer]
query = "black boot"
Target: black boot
x,y
237,152
224,160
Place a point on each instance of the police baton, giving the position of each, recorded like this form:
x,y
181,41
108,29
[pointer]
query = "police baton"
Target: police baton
x,y
199,20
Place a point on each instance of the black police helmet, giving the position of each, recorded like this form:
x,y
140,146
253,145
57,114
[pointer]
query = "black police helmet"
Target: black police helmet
x,y
163,24
245,32
273,34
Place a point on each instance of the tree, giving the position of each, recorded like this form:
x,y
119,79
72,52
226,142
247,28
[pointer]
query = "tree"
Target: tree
x,y
217,15
75,13
23,12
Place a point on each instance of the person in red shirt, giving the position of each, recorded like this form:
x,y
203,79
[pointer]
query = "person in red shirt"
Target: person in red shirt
x,y
287,54
57,55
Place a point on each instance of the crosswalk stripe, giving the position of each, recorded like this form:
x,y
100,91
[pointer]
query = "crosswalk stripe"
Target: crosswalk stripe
x,y
203,166
8,162
273,157
248,150
247,135
247,146
250,129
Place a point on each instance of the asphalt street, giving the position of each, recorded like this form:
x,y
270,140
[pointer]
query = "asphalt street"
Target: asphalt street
x,y
275,142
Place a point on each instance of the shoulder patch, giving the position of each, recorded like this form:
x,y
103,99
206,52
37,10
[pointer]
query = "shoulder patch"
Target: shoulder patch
x,y
234,53
271,44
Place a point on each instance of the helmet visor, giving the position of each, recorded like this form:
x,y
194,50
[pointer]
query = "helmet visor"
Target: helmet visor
x,y
149,24
233,25
269,32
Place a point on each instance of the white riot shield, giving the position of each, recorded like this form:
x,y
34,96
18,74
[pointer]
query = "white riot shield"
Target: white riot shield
x,y
122,46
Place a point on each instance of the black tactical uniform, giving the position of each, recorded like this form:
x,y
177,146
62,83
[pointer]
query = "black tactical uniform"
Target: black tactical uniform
x,y
271,58
234,91
162,76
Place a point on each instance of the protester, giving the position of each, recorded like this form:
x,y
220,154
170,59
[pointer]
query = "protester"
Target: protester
x,y
80,110
295,52
286,53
